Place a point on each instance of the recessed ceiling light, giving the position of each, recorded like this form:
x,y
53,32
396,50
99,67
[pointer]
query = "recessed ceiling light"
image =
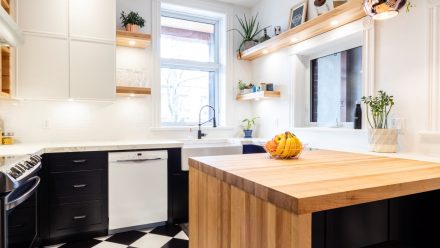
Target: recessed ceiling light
x,y
132,43
334,23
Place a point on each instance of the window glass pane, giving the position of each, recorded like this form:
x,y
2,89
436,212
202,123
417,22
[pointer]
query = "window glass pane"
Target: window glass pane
x,y
187,40
184,92
336,86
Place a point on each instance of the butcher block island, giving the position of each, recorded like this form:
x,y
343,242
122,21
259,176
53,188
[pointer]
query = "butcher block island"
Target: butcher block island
x,y
323,199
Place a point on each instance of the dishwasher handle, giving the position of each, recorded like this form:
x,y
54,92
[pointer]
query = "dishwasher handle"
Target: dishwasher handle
x,y
139,160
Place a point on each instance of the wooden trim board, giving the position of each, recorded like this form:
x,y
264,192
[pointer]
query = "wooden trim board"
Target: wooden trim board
x,y
133,90
258,95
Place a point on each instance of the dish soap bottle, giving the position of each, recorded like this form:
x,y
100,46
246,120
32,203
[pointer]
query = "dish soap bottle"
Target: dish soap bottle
x,y
358,116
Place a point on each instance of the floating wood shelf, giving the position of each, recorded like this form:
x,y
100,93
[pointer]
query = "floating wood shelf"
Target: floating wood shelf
x,y
5,5
132,39
133,90
342,15
258,95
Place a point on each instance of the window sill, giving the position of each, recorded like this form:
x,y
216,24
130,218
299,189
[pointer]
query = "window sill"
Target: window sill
x,y
186,128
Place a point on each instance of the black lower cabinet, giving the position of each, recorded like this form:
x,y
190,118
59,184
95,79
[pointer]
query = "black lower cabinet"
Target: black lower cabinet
x,y
22,224
74,196
177,188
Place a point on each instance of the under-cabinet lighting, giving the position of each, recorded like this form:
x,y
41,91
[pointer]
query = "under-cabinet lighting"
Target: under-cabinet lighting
x,y
71,99
334,23
294,40
265,51
131,95
132,43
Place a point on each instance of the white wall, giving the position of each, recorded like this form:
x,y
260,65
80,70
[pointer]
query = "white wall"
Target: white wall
x,y
125,119
400,69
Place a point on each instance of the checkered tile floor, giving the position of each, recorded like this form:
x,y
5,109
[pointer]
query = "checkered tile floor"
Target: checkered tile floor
x,y
159,237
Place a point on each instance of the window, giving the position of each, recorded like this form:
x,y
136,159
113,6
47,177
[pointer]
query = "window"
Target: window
x,y
189,68
336,86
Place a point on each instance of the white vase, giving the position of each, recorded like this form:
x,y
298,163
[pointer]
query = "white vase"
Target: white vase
x,y
383,140
248,44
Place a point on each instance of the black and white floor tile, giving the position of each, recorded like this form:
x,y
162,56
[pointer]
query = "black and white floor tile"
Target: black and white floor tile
x,y
171,236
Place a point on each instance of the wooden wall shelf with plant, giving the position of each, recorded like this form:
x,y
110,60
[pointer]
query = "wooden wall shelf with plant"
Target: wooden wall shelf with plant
x,y
132,39
341,15
258,95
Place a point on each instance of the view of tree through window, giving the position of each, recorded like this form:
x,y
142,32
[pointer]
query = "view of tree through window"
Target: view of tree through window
x,y
189,68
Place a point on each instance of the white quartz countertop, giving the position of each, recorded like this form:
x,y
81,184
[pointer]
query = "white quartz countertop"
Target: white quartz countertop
x,y
55,147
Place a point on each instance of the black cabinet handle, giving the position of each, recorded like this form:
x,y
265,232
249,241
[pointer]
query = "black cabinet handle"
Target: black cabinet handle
x,y
80,217
78,186
79,161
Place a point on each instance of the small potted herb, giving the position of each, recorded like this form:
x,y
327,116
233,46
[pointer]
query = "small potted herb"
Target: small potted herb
x,y
250,29
132,21
249,123
381,137
241,86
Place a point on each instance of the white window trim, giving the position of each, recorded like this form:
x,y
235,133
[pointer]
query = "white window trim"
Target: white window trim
x,y
433,54
312,48
225,13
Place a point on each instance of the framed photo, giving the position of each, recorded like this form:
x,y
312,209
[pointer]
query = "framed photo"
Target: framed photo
x,y
298,14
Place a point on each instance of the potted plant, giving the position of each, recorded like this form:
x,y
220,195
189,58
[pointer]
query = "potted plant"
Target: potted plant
x,y
241,86
381,138
249,123
250,30
132,21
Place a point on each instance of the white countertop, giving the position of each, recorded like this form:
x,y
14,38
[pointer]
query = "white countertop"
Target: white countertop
x,y
60,147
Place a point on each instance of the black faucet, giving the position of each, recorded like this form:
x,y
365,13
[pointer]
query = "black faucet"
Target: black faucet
x,y
214,124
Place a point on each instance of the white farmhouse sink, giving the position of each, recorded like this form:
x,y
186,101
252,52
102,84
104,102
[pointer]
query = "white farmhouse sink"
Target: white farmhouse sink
x,y
209,147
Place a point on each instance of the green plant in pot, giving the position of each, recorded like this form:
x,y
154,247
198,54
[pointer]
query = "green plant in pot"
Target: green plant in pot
x,y
250,29
381,137
249,123
132,21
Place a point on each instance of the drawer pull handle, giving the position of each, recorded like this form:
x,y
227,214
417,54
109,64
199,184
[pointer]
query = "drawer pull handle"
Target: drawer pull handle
x,y
78,186
81,217
80,161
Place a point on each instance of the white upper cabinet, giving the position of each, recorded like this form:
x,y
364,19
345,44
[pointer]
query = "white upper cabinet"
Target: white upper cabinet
x,y
43,16
43,70
93,19
69,49
92,71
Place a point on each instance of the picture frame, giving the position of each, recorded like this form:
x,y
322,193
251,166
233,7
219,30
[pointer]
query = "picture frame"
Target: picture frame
x,y
298,14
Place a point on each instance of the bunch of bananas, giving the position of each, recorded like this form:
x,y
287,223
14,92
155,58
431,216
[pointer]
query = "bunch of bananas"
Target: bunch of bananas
x,y
284,146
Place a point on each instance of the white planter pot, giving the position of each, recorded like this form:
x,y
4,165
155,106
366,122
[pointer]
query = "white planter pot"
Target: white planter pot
x,y
383,140
248,44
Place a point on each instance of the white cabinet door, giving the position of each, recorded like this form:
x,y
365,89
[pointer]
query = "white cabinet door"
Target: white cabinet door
x,y
45,16
92,70
93,19
43,68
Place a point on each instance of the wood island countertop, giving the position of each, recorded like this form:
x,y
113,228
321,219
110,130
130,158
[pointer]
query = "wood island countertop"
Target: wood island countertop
x,y
321,179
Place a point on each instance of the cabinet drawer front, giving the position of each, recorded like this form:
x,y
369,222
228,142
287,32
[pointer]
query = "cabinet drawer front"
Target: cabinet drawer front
x,y
76,215
76,186
76,161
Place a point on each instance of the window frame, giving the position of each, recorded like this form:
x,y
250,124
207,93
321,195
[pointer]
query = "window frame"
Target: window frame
x,y
346,45
182,64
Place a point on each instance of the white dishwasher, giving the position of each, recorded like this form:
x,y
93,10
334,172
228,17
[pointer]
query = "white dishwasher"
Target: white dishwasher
x,y
137,189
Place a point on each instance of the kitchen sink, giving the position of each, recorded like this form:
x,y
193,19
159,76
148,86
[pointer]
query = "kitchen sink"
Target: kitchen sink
x,y
209,147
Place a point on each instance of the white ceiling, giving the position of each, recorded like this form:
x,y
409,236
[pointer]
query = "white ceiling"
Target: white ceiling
x,y
246,3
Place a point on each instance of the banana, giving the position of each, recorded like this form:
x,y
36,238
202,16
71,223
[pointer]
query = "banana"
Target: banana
x,y
281,145
287,148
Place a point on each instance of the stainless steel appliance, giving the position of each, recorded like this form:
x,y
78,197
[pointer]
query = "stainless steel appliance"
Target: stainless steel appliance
x,y
18,201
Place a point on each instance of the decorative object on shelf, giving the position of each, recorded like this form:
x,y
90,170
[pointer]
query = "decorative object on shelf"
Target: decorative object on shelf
x,y
298,14
277,30
265,36
322,6
385,9
132,21
284,146
249,123
250,30
263,87
269,87
7,138
381,138
245,88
